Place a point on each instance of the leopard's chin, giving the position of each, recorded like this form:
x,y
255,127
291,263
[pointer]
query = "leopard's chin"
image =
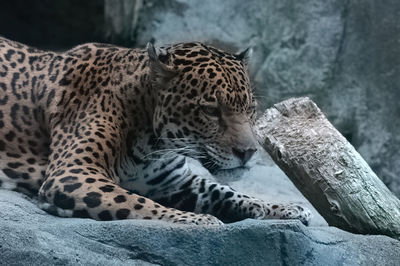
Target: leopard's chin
x,y
208,163
214,164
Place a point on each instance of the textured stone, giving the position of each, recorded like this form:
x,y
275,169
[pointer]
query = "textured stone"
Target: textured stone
x,y
29,236
344,55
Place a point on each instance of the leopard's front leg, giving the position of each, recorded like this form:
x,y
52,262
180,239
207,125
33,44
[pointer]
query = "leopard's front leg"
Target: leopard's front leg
x,y
96,196
229,205
180,187
81,182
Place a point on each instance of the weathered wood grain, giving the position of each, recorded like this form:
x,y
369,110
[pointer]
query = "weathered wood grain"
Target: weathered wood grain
x,y
327,169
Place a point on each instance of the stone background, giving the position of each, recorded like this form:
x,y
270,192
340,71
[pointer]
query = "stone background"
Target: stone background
x,y
343,54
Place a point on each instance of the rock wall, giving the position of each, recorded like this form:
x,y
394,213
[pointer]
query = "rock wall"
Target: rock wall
x,y
342,54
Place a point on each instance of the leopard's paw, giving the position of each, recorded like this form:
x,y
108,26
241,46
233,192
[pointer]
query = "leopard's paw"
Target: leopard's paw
x,y
199,219
294,211
207,219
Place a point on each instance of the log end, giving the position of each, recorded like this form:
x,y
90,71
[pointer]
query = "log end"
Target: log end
x,y
298,106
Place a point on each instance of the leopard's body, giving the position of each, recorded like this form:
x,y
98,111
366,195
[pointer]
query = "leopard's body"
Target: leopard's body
x,y
104,132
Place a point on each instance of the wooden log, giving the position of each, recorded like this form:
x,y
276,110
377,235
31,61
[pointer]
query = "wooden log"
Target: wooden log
x,y
327,169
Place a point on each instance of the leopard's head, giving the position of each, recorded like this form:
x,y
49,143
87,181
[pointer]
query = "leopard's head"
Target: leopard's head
x,y
205,106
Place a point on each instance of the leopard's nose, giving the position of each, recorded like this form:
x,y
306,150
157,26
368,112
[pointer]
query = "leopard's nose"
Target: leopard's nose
x,y
244,155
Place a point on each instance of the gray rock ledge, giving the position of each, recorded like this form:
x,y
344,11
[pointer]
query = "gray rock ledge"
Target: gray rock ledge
x,y
29,236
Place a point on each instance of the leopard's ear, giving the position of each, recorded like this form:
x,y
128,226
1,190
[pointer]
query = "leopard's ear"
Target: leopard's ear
x,y
159,71
244,56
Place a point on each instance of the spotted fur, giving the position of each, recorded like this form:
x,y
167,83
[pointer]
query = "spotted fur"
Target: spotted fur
x,y
104,132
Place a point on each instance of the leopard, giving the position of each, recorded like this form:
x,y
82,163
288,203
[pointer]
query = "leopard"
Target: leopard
x,y
106,132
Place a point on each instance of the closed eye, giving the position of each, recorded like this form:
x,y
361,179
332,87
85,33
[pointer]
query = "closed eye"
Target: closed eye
x,y
251,108
211,111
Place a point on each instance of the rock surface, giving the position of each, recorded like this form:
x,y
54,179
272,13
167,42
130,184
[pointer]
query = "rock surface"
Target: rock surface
x,y
29,236
344,55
